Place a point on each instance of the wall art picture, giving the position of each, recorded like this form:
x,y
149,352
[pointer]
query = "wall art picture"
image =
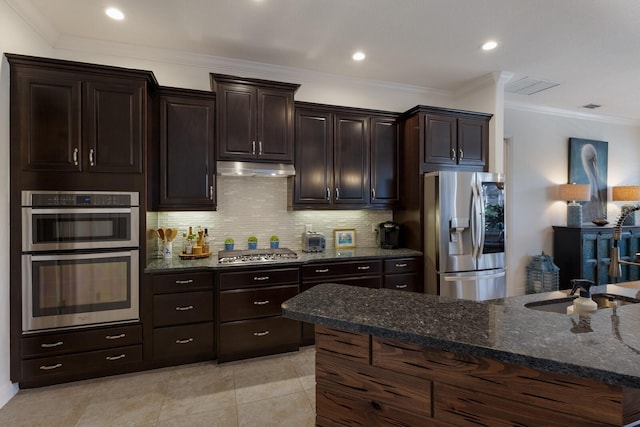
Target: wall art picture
x,y
345,238
588,165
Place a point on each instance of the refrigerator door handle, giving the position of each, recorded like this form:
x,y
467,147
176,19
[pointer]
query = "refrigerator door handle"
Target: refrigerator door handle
x,y
473,278
476,221
481,218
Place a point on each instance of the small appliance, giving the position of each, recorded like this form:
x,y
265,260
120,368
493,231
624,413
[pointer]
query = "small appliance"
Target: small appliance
x,y
313,242
389,234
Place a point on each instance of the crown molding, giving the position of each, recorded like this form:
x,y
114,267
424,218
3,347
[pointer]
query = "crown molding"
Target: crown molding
x,y
615,120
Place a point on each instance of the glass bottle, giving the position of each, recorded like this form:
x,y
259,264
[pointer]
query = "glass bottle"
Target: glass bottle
x,y
205,242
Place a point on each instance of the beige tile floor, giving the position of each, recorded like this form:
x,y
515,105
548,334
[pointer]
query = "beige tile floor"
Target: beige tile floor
x,y
270,391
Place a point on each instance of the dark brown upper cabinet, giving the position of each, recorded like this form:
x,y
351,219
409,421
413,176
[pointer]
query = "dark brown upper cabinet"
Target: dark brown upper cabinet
x,y
75,117
186,175
254,119
346,158
452,139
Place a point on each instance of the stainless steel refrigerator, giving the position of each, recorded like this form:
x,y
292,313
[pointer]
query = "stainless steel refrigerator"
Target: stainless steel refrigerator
x,y
464,235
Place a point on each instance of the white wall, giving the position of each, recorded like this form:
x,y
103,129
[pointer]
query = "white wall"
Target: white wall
x,y
15,37
538,162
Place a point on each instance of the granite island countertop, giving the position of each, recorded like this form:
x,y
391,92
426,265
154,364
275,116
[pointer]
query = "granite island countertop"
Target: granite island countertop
x,y
176,264
604,346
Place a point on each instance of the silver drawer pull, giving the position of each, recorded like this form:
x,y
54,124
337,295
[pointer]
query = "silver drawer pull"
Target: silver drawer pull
x,y
187,341
50,367
364,268
55,344
401,265
184,282
261,334
401,286
261,278
261,302
118,357
324,270
115,337
189,307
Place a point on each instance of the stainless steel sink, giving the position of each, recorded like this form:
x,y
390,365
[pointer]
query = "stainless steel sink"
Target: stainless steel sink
x,y
559,305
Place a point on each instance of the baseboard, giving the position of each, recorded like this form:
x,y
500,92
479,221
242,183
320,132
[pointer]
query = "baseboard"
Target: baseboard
x,y
7,391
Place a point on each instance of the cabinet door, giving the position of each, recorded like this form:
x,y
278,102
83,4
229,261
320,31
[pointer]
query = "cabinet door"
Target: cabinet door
x,y
47,110
385,185
351,159
187,177
440,140
473,135
275,125
236,122
313,181
113,125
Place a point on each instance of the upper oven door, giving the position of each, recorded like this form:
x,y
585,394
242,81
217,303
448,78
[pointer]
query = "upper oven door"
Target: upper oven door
x,y
52,229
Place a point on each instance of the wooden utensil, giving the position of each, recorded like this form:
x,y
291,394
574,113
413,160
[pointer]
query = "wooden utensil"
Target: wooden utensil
x,y
161,234
170,234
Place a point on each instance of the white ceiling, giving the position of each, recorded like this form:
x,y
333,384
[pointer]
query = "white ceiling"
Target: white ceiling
x,y
590,47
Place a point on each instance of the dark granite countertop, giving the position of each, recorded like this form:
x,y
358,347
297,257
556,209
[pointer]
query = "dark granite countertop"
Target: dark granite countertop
x,y
177,264
604,346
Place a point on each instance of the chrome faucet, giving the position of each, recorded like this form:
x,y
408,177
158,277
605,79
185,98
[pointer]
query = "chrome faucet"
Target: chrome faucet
x,y
615,269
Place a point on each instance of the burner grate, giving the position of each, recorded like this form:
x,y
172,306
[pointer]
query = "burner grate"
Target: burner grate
x,y
255,255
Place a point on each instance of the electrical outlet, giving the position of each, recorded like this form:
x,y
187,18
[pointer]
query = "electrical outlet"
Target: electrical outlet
x,y
374,227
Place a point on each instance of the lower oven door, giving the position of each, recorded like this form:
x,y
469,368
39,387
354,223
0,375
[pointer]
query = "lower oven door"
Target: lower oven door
x,y
64,290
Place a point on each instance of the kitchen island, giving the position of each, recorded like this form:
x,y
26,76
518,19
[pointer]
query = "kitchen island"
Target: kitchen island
x,y
387,357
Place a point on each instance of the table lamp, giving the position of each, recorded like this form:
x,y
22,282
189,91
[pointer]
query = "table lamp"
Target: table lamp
x,y
574,193
627,193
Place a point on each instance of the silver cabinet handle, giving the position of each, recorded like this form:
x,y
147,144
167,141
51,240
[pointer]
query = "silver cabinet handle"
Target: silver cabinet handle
x,y
401,286
186,308
366,267
55,344
256,278
259,148
75,157
401,265
184,282
337,193
118,357
453,154
373,193
211,192
461,154
50,367
253,148
91,157
328,194
261,302
115,337
323,270
261,334
187,341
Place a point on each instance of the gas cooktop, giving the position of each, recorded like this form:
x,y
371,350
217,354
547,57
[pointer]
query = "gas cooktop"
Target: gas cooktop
x,y
255,255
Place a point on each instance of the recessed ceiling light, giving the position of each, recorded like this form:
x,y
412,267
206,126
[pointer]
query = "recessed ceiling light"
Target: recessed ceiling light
x,y
358,56
114,13
490,45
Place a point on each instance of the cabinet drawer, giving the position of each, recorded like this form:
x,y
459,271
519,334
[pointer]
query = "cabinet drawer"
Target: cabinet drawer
x,y
256,302
163,283
352,268
342,344
400,265
181,308
79,341
401,282
246,279
78,363
247,338
183,341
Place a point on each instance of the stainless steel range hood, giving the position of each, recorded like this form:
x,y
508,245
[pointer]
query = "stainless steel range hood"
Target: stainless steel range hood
x,y
253,168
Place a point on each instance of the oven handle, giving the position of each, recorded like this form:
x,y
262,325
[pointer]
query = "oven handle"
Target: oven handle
x,y
63,211
92,255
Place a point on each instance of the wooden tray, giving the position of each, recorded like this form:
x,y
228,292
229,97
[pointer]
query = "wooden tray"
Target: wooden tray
x,y
195,256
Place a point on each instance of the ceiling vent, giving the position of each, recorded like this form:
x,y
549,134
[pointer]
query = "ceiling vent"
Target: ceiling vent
x,y
529,86
592,106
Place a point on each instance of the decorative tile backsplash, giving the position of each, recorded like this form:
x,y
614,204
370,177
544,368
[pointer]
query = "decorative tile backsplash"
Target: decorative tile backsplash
x,y
257,206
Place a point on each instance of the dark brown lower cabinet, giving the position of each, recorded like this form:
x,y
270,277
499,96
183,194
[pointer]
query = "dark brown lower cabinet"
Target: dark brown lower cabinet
x,y
365,380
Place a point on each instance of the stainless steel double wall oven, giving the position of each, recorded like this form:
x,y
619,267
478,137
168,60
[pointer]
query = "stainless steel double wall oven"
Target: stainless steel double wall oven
x,y
80,258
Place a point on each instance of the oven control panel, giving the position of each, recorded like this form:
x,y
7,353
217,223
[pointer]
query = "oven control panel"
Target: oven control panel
x,y
78,199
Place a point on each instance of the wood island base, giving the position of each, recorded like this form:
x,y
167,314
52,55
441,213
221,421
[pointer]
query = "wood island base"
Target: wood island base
x,y
364,380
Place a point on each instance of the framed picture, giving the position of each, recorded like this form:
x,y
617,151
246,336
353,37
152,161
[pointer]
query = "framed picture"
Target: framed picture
x,y
345,238
588,165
